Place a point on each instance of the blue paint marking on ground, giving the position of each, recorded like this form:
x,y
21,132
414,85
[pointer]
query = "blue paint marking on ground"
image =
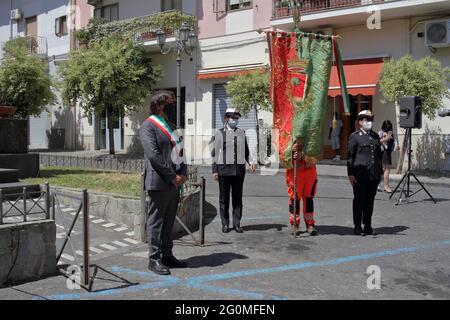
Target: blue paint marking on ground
x,y
199,281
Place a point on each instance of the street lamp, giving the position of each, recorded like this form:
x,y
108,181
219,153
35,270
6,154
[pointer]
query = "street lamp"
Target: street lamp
x,y
186,41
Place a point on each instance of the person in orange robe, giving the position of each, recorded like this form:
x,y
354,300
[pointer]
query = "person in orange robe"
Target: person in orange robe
x,y
306,189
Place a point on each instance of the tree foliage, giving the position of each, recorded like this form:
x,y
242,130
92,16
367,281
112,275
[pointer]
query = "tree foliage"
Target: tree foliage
x,y
114,76
408,77
99,29
250,91
24,80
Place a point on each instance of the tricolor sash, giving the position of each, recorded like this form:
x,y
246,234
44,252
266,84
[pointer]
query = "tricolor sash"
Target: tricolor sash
x,y
167,130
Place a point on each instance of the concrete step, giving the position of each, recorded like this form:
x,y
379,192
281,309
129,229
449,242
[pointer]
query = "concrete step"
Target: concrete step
x,y
13,189
9,175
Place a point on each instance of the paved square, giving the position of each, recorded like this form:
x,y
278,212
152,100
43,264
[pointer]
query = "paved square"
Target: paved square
x,y
411,249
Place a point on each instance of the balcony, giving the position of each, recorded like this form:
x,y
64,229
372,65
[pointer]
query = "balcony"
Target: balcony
x,y
320,14
35,45
140,29
283,9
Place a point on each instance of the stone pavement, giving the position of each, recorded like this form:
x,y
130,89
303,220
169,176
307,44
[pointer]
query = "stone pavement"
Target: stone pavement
x,y
410,248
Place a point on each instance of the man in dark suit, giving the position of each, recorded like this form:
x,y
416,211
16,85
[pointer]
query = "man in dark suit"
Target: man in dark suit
x,y
364,171
165,173
230,152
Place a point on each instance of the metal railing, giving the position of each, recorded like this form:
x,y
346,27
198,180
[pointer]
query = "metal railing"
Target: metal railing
x,y
84,208
108,164
96,163
189,187
17,207
37,45
282,9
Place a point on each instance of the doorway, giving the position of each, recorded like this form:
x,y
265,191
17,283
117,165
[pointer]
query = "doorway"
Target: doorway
x,y
102,132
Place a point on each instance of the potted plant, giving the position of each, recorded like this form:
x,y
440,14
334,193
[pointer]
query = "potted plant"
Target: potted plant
x,y
7,111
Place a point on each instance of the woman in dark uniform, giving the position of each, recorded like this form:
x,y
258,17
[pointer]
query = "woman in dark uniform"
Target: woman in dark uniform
x,y
364,171
388,144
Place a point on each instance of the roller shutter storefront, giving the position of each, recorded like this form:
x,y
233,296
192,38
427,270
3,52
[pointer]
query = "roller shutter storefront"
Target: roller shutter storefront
x,y
221,101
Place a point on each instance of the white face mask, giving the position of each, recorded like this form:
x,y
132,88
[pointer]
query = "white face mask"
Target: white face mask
x,y
233,123
367,125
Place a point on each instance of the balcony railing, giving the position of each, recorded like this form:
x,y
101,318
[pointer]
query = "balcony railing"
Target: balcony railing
x,y
35,45
287,8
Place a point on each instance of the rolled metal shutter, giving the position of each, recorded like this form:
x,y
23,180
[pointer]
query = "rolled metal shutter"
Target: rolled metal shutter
x,y
38,131
221,102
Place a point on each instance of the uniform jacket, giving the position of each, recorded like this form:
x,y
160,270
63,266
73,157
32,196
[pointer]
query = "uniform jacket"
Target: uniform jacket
x,y
229,151
364,156
160,170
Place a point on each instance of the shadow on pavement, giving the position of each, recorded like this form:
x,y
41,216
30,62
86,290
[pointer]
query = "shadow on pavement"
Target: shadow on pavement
x,y
111,280
264,227
213,260
348,231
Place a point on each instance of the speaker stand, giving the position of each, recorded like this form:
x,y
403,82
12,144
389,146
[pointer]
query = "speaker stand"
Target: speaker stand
x,y
406,179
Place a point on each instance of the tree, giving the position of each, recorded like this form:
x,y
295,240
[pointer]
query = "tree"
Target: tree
x,y
408,77
113,76
248,91
24,80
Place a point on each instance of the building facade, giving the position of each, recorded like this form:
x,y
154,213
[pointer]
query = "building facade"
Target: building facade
x,y
369,32
230,41
49,28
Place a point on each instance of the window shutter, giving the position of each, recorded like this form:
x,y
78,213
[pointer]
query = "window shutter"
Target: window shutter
x,y
219,6
58,26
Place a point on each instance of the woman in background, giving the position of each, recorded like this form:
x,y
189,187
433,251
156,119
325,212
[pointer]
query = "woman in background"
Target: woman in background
x,y
388,144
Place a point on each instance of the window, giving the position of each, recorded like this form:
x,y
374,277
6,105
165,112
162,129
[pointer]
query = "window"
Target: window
x,y
167,5
61,26
238,4
109,13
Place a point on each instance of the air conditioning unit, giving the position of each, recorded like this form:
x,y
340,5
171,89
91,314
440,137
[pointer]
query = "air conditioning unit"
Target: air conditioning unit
x,y
16,14
437,33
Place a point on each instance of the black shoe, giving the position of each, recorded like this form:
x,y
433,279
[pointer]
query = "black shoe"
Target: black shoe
x,y
358,231
174,262
225,229
312,231
368,230
239,229
157,266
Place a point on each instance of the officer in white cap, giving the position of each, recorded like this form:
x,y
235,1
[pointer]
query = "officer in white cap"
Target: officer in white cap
x,y
364,170
230,152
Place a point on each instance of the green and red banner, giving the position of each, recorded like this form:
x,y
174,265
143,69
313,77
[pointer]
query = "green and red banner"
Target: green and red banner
x,y
300,72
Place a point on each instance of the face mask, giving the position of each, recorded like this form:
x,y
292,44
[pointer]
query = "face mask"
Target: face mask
x,y
233,123
367,125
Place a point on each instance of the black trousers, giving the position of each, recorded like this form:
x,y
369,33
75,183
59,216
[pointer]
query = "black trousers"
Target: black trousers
x,y
364,193
162,210
235,183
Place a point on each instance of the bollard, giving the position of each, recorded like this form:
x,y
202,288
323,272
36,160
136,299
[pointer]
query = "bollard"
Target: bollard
x,y
85,238
1,206
201,211
143,209
47,201
24,196
53,207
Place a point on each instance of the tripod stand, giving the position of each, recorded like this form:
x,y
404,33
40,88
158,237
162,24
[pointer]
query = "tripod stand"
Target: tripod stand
x,y
406,179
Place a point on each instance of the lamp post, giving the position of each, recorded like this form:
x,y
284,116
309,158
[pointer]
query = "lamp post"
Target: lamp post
x,y
186,41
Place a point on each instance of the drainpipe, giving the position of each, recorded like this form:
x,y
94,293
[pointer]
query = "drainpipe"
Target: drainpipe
x,y
10,22
195,102
72,19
